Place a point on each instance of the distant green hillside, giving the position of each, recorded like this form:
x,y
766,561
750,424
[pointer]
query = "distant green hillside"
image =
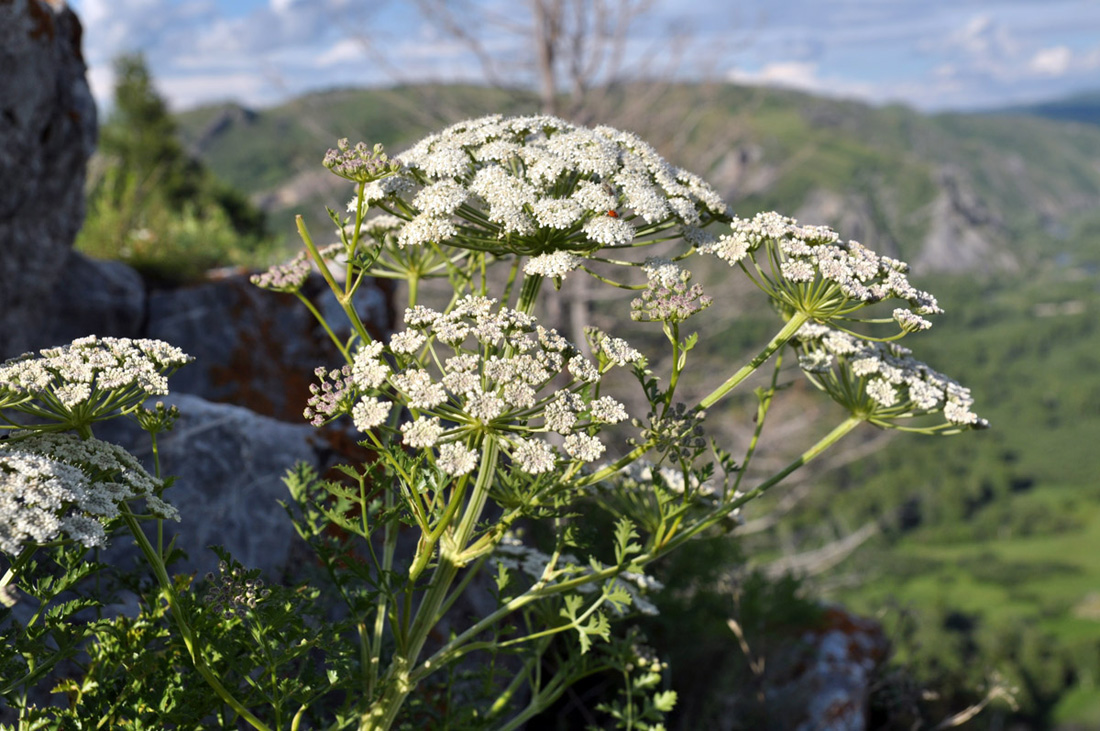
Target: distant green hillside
x,y
259,150
950,192
1084,108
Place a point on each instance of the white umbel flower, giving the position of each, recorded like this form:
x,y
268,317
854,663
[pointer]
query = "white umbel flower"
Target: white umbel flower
x,y
369,413
56,483
423,432
510,179
583,447
456,459
554,264
882,382
533,456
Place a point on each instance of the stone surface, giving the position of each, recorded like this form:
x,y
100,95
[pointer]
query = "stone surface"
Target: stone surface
x,y
105,298
831,672
254,348
47,133
229,464
964,234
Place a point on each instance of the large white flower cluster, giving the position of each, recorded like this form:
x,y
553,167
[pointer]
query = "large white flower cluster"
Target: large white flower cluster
x,y
91,372
55,483
496,370
538,185
882,381
841,275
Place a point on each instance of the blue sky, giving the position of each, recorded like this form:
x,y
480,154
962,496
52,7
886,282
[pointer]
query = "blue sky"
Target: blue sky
x,y
929,54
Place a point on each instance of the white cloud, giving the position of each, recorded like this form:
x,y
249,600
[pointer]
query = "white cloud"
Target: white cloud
x,y
801,75
196,89
931,54
346,50
101,79
1054,61
983,36
797,74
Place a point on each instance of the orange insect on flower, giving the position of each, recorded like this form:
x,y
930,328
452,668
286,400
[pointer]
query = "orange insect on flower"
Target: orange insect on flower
x,y
613,214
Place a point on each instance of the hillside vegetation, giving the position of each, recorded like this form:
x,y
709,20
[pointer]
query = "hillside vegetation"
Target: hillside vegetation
x,y
988,557
948,193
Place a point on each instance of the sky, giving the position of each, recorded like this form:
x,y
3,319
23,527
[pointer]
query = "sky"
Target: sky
x,y
929,54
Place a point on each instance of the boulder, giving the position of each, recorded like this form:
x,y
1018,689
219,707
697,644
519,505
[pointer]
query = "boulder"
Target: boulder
x,y
830,670
229,464
47,133
92,296
255,348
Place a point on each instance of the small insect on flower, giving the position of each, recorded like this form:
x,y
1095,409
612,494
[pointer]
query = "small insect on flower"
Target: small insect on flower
x,y
613,214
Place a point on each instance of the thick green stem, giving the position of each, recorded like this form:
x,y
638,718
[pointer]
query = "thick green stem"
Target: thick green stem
x,y
780,339
454,648
529,293
17,565
397,684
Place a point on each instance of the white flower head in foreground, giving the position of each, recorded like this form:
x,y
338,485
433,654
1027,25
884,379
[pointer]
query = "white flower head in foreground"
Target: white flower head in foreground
x,y
91,375
810,270
489,370
882,382
555,264
538,186
55,483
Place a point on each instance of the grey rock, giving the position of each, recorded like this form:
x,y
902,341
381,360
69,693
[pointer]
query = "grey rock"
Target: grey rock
x,y
852,215
254,348
47,133
229,464
92,296
964,235
834,666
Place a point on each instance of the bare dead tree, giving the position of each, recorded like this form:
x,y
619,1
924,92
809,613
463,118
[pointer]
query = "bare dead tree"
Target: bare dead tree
x,y
575,45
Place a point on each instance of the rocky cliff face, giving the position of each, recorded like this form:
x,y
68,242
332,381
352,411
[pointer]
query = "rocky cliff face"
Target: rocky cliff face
x,y
47,133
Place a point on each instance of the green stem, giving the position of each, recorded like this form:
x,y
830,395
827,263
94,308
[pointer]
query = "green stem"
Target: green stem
x,y
780,339
389,551
810,454
156,473
762,410
382,714
775,344
454,648
18,564
324,323
529,292
181,621
345,300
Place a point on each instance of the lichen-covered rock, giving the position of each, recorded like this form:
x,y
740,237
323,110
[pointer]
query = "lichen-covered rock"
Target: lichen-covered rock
x,y
254,348
832,669
47,133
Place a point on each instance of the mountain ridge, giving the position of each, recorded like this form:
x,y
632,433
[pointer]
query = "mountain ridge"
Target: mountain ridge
x,y
948,192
